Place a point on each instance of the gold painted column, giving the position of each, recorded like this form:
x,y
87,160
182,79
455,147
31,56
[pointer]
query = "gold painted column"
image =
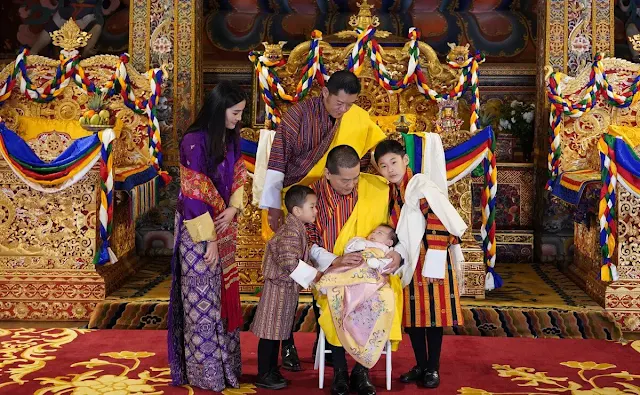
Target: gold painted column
x,y
166,32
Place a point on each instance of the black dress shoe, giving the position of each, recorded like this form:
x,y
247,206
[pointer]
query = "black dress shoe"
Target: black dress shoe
x,y
280,376
415,374
431,379
290,359
271,381
340,385
361,383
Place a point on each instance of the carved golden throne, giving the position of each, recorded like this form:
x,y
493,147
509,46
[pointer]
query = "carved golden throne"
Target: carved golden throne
x,y
407,111
580,154
49,240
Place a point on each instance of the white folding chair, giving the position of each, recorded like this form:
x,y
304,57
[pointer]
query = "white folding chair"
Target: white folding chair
x,y
321,350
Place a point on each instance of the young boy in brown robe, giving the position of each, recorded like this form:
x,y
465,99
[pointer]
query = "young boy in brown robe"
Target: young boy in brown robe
x,y
276,311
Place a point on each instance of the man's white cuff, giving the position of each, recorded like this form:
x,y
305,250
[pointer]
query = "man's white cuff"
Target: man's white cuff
x,y
322,257
304,274
272,192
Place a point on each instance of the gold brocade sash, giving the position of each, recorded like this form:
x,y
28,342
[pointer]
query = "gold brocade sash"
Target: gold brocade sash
x,y
354,130
370,211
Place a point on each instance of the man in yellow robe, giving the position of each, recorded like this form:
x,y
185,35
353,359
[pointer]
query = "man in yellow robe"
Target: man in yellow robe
x,y
307,132
350,204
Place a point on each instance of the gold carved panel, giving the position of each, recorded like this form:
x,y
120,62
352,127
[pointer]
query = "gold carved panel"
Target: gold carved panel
x,y
579,136
58,225
628,263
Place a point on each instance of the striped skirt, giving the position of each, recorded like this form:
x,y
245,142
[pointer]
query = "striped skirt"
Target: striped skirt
x,y
434,304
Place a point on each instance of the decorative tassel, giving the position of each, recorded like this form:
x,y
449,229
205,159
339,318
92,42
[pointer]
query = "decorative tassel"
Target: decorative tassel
x,y
488,282
493,280
605,273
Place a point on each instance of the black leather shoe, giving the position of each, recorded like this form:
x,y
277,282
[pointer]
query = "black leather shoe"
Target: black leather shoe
x,y
415,374
431,379
271,381
279,375
340,385
290,359
361,383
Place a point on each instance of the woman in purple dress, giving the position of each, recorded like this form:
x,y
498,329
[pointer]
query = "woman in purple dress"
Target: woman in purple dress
x,y
204,310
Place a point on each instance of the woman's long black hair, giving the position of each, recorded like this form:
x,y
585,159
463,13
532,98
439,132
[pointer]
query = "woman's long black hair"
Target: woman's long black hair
x,y
212,118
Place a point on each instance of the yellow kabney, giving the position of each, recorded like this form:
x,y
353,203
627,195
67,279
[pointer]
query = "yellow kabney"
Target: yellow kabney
x,y
370,211
356,129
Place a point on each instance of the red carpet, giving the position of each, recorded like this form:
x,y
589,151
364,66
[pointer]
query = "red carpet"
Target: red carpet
x,y
71,361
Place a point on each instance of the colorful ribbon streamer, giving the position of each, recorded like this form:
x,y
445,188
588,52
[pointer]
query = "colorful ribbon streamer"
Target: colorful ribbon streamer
x,y
365,46
64,171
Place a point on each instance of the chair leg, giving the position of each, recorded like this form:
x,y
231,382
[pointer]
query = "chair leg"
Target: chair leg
x,y
316,363
388,367
321,347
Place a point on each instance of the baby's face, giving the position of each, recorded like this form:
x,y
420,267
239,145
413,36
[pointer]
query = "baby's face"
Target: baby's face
x,y
382,235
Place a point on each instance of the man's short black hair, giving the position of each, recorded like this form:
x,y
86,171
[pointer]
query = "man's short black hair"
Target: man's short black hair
x,y
296,196
342,157
343,80
392,233
388,146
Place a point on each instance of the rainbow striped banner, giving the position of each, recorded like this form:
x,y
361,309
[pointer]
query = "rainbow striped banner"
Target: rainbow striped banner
x,y
249,149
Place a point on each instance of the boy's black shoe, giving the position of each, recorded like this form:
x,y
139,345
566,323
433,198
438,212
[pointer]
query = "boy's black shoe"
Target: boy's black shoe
x,y
290,359
361,383
271,381
431,379
415,374
340,385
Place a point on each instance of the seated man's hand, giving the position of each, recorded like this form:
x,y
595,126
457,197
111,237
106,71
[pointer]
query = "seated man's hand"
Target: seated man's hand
x,y
395,260
352,259
318,277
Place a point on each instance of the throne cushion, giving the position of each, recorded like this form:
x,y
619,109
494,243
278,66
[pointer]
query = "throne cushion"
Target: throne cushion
x,y
30,128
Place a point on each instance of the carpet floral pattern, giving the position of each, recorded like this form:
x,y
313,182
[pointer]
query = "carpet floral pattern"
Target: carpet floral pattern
x,y
26,352
587,378
92,362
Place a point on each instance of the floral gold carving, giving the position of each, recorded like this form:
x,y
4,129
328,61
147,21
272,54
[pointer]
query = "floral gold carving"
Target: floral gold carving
x,y
69,37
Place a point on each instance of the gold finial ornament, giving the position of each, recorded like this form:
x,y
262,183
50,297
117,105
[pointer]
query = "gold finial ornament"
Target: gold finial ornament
x,y
69,37
635,42
364,19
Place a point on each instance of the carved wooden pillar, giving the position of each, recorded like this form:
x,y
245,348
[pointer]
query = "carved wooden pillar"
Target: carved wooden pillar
x,y
167,32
